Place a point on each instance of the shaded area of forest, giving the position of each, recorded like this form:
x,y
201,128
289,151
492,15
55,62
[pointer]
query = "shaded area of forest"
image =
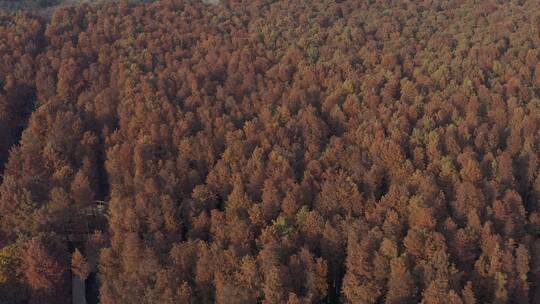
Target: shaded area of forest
x,y
28,4
272,152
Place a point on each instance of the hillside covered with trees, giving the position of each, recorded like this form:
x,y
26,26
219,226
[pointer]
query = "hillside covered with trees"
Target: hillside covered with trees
x,y
271,151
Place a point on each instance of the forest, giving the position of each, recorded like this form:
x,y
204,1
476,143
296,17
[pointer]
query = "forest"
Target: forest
x,y
271,151
29,4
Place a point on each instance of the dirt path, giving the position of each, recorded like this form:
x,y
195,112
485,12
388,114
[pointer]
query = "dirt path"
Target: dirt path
x,y
78,292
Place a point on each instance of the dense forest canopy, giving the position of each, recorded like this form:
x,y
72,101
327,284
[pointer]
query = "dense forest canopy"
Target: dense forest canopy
x,y
263,151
